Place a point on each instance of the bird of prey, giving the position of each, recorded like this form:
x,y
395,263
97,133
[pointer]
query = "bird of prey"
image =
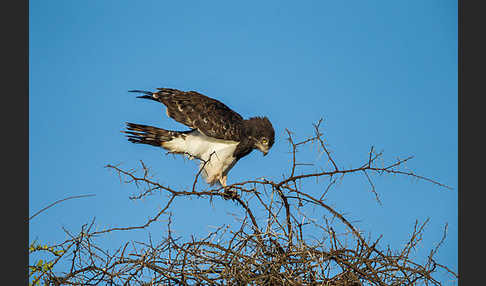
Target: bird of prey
x,y
218,136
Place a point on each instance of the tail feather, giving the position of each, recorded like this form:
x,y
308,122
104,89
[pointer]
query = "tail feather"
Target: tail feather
x,y
144,134
159,94
141,91
169,91
148,94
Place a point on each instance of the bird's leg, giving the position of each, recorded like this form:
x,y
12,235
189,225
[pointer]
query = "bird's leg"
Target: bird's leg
x,y
229,194
222,181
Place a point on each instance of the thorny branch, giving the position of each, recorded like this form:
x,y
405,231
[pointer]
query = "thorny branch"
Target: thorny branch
x,y
285,246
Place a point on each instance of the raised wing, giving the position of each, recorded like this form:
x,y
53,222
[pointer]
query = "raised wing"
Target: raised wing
x,y
197,111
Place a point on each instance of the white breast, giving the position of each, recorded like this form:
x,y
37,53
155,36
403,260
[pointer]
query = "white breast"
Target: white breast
x,y
217,153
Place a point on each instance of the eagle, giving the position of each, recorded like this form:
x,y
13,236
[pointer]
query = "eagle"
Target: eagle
x,y
218,136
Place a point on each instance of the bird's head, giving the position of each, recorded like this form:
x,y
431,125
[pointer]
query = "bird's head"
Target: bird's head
x,y
261,133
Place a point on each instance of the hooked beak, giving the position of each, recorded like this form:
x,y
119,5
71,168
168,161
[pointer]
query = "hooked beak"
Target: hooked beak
x,y
265,153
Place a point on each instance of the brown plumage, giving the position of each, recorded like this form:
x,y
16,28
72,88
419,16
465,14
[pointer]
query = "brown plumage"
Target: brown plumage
x,y
197,111
215,128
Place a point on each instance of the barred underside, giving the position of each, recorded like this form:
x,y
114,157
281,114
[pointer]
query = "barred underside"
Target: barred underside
x,y
144,134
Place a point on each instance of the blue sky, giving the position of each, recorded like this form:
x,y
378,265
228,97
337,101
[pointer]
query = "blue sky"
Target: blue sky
x,y
381,73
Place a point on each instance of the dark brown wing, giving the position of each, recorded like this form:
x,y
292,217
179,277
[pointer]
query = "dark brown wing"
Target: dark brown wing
x,y
198,111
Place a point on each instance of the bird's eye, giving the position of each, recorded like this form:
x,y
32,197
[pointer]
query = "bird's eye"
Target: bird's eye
x,y
264,141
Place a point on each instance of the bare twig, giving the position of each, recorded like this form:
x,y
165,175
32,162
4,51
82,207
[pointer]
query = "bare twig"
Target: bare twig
x,y
59,201
285,235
